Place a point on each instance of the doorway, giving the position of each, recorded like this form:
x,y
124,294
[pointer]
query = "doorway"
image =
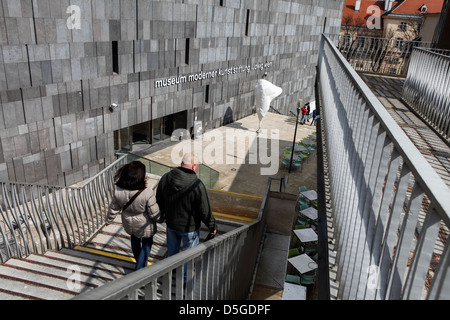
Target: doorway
x,y
143,135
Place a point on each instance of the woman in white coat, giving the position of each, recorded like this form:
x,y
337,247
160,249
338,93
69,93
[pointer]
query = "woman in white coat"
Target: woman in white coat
x,y
141,215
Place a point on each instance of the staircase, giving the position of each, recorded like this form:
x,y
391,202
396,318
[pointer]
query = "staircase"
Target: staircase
x,y
61,275
51,276
71,215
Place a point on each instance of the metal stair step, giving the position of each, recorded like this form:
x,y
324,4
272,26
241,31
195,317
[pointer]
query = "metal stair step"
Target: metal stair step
x,y
21,290
52,267
100,259
59,283
118,229
10,296
32,286
121,245
92,259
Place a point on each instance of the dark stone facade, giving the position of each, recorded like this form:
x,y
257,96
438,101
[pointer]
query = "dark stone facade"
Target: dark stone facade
x,y
64,62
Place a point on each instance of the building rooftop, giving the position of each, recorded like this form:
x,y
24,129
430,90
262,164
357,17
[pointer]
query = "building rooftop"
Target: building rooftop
x,y
359,18
414,7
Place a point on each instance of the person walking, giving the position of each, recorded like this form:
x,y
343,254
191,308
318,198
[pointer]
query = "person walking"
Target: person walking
x,y
314,117
184,203
308,111
140,211
304,113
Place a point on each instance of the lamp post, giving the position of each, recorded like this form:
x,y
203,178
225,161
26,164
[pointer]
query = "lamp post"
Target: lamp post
x,y
295,135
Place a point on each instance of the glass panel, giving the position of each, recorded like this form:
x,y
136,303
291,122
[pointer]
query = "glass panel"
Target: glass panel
x,y
168,127
156,125
141,133
122,139
180,120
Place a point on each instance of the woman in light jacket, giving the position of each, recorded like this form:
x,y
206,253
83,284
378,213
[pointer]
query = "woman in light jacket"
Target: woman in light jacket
x,y
140,218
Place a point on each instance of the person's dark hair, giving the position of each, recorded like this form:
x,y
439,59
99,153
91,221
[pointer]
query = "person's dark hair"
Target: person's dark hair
x,y
131,176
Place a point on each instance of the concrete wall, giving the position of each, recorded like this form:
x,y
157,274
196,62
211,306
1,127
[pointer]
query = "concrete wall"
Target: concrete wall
x,y
57,80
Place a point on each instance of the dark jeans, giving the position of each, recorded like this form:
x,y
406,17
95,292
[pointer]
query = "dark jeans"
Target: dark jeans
x,y
141,250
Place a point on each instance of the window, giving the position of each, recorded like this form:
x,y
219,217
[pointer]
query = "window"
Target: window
x,y
207,94
247,21
186,56
115,56
399,42
403,25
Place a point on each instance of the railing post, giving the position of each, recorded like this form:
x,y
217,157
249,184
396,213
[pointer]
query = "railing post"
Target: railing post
x,y
385,195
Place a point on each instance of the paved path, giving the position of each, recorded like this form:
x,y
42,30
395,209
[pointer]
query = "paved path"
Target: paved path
x,y
389,90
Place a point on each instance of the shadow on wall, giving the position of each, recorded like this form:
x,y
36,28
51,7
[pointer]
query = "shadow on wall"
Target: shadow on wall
x,y
228,117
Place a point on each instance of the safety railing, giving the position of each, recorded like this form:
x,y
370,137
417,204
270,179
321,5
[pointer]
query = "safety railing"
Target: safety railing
x,y
35,218
390,208
426,88
208,175
219,269
377,55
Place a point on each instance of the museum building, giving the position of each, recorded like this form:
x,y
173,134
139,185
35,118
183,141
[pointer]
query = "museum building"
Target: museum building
x,y
83,79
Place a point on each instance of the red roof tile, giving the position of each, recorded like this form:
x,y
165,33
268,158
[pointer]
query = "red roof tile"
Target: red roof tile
x,y
362,15
413,6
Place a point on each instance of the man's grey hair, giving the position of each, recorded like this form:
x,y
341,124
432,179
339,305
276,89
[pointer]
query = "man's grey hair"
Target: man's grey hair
x,y
190,158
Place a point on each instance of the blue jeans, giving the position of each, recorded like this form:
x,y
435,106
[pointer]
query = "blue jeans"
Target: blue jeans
x,y
141,250
174,239
303,119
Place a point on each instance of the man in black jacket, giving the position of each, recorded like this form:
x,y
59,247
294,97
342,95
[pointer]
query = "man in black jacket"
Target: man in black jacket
x,y
183,200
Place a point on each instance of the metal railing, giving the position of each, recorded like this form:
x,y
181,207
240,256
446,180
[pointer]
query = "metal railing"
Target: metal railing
x,y
219,269
390,208
377,55
426,89
35,218
208,175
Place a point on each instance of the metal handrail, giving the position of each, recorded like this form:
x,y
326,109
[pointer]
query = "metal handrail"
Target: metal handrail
x,y
35,218
377,55
222,268
390,207
208,175
426,88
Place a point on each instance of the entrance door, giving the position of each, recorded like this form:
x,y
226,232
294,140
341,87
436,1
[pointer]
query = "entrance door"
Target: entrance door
x,y
180,120
149,132
141,133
